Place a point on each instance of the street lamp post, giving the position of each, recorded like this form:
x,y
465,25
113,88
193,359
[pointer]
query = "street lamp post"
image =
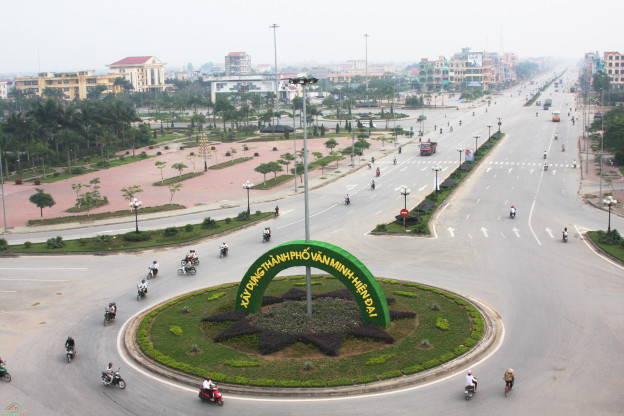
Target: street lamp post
x,y
248,185
476,137
499,123
304,82
609,201
460,149
489,126
274,26
366,63
135,205
436,168
405,191
2,190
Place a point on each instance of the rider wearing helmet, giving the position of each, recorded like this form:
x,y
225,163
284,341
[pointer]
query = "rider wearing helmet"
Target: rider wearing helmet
x,y
70,343
471,381
154,267
509,378
143,286
512,211
109,372
112,308
208,386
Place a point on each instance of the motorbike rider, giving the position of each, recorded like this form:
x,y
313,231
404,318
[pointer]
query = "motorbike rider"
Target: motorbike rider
x,y
574,163
373,185
545,154
370,165
509,378
347,199
545,165
224,248
471,381
536,114
112,309
70,343
191,255
565,233
512,211
208,386
266,234
154,268
556,136
109,373
394,160
372,159
187,266
377,172
563,147
276,211
143,287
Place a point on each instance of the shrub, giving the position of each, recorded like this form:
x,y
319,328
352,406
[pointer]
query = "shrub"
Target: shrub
x,y
258,212
143,155
275,149
56,175
55,242
4,245
403,293
308,365
425,343
77,170
431,363
134,236
447,357
127,152
37,182
256,154
170,232
228,220
442,324
192,154
27,244
158,153
83,241
382,228
228,154
340,382
166,147
102,164
104,239
18,181
194,348
365,379
413,369
390,374
213,148
188,228
176,330
241,363
216,296
380,360
435,307
186,309
461,350
208,223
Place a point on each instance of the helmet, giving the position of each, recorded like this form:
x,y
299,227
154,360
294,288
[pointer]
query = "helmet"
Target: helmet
x,y
512,206
110,364
208,378
114,303
510,370
143,281
110,304
469,372
154,261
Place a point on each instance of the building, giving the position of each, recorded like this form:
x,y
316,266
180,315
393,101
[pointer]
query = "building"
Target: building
x,y
6,85
262,83
74,85
145,73
614,67
237,63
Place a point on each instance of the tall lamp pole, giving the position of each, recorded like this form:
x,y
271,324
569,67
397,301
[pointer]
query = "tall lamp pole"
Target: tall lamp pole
x,y
499,123
405,191
489,126
476,137
303,82
436,169
366,63
609,201
460,149
274,26
248,185
2,190
135,205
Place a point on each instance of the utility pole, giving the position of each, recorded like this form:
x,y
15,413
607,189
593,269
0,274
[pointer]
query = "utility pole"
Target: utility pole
x,y
274,26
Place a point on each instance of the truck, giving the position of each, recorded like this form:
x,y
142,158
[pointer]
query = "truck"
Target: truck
x,y
428,148
547,103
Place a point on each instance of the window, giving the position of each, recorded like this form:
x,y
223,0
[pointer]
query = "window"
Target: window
x,y
91,81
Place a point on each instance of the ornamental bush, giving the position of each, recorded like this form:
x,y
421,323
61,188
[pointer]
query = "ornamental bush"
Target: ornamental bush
x,y
208,223
55,242
241,363
4,245
170,232
134,236
176,330
188,228
442,324
27,244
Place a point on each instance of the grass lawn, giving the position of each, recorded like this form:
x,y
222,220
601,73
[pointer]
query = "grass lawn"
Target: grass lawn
x,y
285,368
616,250
179,178
157,238
104,215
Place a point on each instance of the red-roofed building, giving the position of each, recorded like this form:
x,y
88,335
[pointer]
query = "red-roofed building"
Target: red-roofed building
x,y
145,73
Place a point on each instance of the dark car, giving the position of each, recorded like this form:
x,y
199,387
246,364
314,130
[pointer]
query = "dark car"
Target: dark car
x,y
280,128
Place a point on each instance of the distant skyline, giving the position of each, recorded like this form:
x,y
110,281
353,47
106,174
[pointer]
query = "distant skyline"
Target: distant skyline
x,y
72,35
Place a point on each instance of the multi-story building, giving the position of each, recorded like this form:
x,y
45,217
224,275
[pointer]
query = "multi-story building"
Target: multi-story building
x,y
261,83
145,73
237,63
6,85
74,85
614,67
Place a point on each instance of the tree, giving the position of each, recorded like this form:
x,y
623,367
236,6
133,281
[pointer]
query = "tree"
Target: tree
x,y
192,158
161,165
317,155
173,188
323,163
42,200
299,170
263,168
275,167
602,83
130,191
90,198
330,144
286,159
179,167
232,151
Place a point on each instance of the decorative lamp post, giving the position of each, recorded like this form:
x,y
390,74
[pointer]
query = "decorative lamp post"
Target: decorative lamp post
x,y
609,201
135,205
405,191
460,149
248,185
489,126
476,137
304,82
274,26
2,190
436,168
203,150
499,123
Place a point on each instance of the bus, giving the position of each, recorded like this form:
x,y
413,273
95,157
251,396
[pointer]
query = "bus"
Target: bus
x,y
556,116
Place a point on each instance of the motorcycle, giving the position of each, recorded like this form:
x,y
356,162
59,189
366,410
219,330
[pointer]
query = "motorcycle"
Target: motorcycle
x,y
108,317
117,380
216,396
574,164
565,237
194,261
545,167
5,373
151,274
347,201
140,294
544,155
266,237
70,353
468,392
512,214
189,270
223,252
563,147
377,173
373,186
394,161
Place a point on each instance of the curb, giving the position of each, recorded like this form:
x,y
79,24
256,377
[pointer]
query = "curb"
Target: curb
x,y
492,337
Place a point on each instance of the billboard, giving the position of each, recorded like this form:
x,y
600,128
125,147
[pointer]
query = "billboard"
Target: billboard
x,y
473,83
475,60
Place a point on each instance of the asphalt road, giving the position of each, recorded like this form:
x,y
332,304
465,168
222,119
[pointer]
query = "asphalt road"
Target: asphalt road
x,y
560,303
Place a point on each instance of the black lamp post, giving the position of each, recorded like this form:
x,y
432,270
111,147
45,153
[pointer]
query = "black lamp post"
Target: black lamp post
x,y
460,149
489,126
405,191
248,185
609,201
436,169
499,123
135,205
476,137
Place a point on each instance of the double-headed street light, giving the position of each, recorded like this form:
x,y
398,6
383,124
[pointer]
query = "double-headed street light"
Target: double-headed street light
x,y
609,201
489,126
436,168
405,191
135,205
460,149
304,82
248,185
476,137
499,123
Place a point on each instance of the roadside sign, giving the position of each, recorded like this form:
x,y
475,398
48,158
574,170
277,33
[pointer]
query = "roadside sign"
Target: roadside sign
x,y
404,213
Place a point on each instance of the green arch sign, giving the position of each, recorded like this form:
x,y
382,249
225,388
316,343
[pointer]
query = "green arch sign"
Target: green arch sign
x,y
324,256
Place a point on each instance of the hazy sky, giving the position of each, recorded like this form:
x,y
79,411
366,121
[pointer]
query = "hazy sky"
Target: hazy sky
x,y
67,35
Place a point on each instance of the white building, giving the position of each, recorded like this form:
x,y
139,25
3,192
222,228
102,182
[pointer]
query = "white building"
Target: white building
x,y
145,73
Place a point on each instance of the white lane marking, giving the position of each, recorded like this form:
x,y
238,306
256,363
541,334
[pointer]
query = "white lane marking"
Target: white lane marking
x,y
300,220
484,231
502,235
35,280
549,232
379,212
349,187
7,291
467,216
450,230
470,235
44,268
516,231
530,226
422,187
478,200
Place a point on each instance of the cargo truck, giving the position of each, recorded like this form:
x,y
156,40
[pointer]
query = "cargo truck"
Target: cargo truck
x,y
547,103
428,148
